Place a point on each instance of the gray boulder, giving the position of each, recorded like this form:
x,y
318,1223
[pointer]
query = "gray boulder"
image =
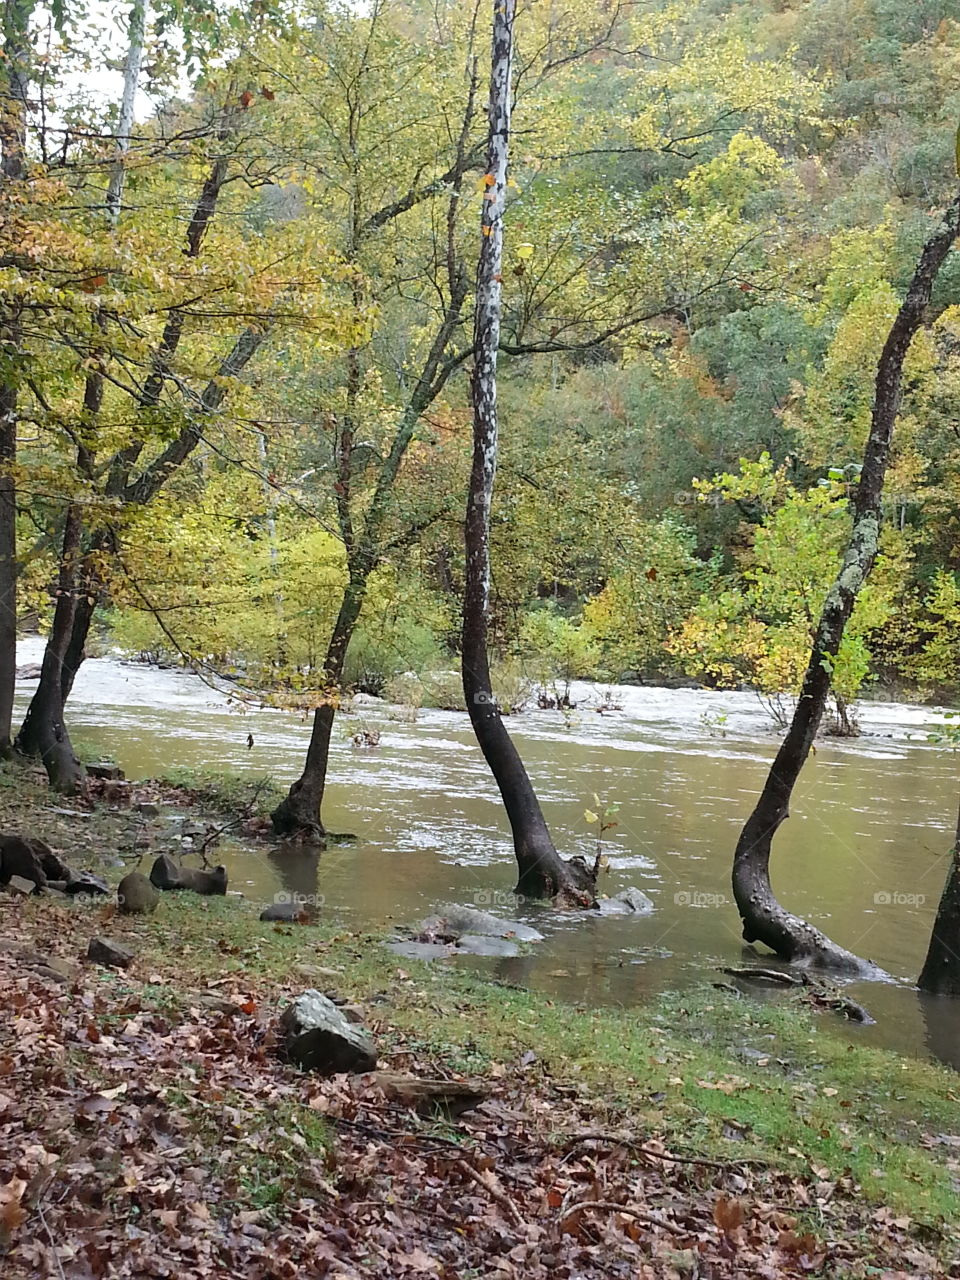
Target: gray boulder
x,y
318,1037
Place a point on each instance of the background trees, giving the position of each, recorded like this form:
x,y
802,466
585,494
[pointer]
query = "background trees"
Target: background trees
x,y
251,396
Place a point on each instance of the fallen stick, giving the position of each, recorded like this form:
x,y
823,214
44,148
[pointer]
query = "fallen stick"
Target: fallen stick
x,y
650,1219
504,1201
652,1153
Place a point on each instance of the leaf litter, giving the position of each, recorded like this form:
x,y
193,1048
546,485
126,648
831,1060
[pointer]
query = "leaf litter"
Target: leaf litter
x,y
142,1137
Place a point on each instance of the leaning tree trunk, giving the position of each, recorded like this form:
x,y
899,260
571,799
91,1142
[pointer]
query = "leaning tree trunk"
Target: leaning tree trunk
x,y
43,732
764,920
298,814
941,969
542,872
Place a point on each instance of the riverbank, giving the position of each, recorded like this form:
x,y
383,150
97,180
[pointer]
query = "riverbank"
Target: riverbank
x,y
148,1126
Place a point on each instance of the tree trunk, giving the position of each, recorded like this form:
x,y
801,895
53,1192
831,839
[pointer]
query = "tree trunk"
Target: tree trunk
x,y
13,141
764,920
44,733
941,969
542,872
298,814
131,78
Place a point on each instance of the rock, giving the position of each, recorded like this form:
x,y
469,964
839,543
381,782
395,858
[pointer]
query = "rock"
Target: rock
x,y
54,867
29,671
476,944
86,885
107,952
22,887
148,810
454,921
292,912
431,1097
105,769
19,858
627,902
167,874
136,896
318,1037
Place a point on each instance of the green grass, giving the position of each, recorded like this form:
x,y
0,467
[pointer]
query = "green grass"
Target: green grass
x,y
675,1067
226,792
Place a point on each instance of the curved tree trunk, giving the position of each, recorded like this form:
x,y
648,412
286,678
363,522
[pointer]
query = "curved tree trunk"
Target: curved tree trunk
x,y
43,732
941,969
542,872
764,920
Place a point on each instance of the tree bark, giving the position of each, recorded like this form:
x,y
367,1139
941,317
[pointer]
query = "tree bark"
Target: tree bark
x,y
44,733
941,969
542,872
764,920
298,814
13,141
131,78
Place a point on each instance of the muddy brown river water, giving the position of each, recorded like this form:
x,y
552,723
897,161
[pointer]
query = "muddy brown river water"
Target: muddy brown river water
x,y
863,854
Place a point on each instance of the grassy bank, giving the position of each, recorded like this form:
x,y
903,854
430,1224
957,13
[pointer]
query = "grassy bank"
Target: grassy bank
x,y
712,1136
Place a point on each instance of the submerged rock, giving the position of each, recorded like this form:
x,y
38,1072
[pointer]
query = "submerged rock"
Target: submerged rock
x,y
627,902
477,944
454,921
319,1037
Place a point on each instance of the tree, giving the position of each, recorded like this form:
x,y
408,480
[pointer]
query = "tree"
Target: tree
x,y
13,144
763,918
598,279
542,872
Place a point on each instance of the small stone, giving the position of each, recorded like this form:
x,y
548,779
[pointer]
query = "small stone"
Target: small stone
x,y
136,896
320,1038
107,952
21,887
